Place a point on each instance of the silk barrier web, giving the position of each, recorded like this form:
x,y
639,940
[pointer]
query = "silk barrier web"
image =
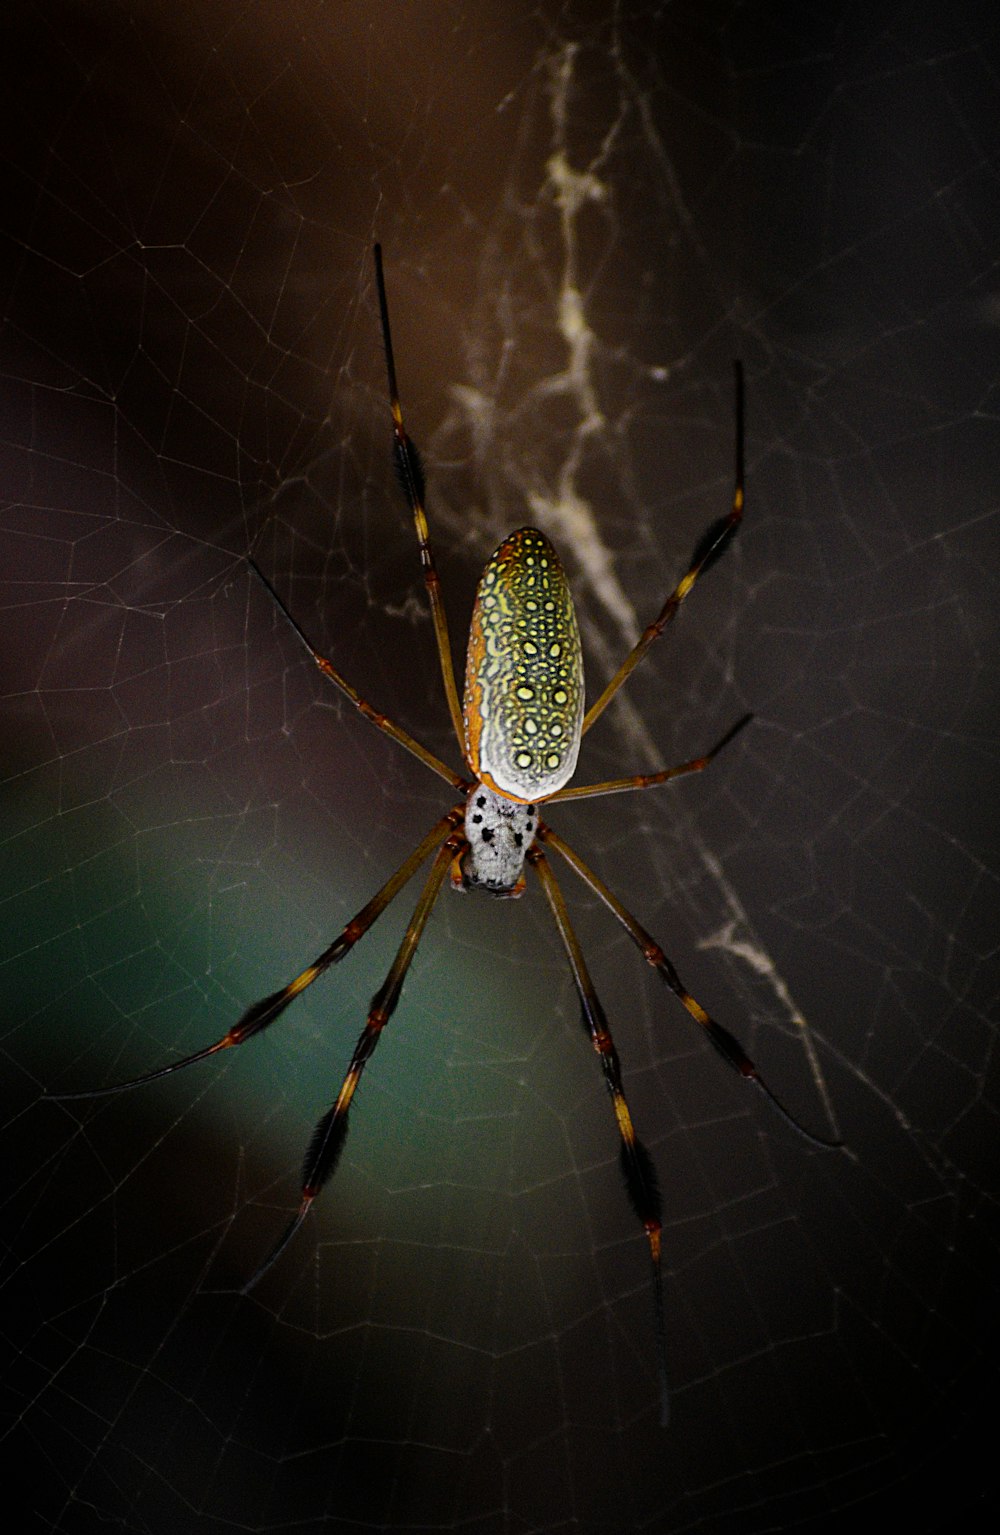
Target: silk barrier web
x,y
587,211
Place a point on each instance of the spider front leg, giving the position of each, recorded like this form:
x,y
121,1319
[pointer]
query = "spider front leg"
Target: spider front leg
x,y
637,1164
328,1138
262,1014
726,1044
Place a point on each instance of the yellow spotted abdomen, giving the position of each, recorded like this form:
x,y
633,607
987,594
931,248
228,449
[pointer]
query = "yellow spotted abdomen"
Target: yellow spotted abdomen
x,y
524,672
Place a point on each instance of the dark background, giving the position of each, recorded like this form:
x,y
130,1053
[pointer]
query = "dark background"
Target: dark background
x,y
587,212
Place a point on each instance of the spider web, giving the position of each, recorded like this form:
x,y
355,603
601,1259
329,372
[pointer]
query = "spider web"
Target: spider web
x,y
587,211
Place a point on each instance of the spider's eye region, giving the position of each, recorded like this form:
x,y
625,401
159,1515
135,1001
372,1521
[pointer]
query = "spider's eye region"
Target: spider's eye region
x,y
499,831
524,671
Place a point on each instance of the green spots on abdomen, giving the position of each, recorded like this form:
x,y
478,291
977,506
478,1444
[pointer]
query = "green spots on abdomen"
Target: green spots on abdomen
x,y
524,671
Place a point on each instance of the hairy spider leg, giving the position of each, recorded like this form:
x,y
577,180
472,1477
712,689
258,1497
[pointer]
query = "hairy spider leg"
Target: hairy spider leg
x,y
263,1013
709,548
380,721
411,476
637,1164
650,780
727,1046
328,1138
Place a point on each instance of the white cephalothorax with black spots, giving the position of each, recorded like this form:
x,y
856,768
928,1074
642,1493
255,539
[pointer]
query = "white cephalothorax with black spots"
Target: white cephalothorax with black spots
x,y
500,831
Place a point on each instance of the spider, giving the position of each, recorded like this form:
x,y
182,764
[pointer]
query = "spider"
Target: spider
x,y
518,730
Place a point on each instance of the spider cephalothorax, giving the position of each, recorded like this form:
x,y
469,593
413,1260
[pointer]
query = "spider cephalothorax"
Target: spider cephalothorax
x,y
499,832
519,735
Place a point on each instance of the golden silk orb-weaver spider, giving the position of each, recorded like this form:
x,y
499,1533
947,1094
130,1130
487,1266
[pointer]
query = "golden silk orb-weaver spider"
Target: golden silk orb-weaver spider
x,y
519,730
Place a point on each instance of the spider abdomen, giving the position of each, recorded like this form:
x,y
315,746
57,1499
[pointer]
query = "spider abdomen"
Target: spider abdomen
x,y
523,702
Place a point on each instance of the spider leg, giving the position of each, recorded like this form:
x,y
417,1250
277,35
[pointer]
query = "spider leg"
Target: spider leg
x,y
726,1044
649,780
257,1018
380,721
331,1132
708,551
411,475
637,1164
